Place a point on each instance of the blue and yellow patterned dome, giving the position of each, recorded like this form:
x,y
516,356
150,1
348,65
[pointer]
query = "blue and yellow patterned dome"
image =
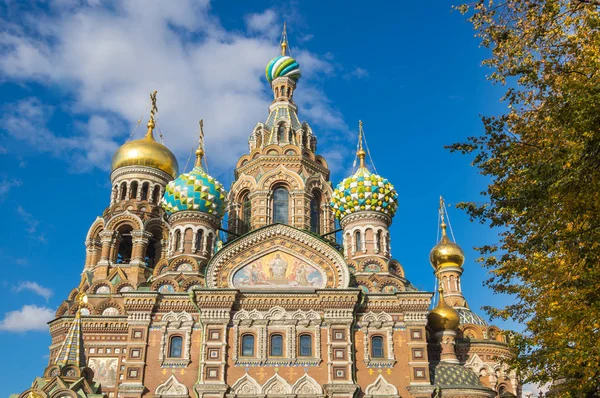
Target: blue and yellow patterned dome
x,y
195,190
283,66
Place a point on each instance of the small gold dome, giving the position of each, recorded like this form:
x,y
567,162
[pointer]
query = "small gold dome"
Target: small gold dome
x,y
446,252
146,152
443,317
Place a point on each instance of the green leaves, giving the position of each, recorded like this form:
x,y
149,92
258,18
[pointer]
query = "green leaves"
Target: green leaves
x,y
543,157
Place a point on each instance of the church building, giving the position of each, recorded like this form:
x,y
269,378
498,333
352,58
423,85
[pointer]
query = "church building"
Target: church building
x,y
173,303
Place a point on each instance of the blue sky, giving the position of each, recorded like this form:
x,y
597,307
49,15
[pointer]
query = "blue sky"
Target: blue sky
x,y
75,77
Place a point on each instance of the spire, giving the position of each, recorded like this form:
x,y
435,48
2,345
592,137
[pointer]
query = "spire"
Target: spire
x,y
361,152
284,41
442,211
153,111
71,352
200,150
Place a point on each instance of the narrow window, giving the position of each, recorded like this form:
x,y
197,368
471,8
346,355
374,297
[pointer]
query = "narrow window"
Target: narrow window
x,y
305,345
376,347
155,194
315,213
248,345
123,191
133,191
357,241
175,347
281,133
145,188
125,248
199,236
280,205
177,240
276,345
380,240
209,243
246,213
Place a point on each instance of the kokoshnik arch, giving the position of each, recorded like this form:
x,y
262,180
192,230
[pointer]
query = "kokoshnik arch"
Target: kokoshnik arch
x,y
165,308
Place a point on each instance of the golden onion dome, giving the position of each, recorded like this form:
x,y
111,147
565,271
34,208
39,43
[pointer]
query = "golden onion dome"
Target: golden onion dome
x,y
146,152
446,252
443,316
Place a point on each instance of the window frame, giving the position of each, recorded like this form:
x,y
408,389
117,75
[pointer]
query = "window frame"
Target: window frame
x,y
243,337
372,346
170,351
282,347
310,336
280,202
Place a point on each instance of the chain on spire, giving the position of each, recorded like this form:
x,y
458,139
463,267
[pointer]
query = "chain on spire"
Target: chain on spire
x,y
200,150
153,112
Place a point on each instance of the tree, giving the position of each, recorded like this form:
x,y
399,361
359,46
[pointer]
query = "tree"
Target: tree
x,y
543,159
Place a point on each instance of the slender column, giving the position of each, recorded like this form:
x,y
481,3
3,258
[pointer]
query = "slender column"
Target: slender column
x,y
140,240
107,243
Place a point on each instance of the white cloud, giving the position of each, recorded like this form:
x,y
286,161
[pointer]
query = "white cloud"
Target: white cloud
x,y
6,185
532,390
106,61
35,288
263,22
28,318
357,73
32,225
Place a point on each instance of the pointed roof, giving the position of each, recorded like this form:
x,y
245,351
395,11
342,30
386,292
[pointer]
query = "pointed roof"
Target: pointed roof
x,y
71,352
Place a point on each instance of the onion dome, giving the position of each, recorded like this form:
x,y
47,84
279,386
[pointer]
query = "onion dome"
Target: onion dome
x,y
364,191
446,252
283,65
443,316
147,152
195,190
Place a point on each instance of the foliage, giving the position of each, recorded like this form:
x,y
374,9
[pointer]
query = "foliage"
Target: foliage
x,y
543,159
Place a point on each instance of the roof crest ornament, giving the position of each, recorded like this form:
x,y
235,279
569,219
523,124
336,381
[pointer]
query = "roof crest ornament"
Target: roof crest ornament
x,y
200,150
284,42
153,112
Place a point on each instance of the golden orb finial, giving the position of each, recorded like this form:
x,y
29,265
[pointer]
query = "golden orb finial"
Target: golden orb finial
x,y
200,150
446,252
443,316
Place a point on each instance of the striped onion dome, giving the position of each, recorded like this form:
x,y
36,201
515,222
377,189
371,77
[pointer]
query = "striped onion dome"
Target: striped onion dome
x,y
283,66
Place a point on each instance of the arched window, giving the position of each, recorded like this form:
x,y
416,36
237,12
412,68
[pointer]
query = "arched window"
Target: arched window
x,y
248,345
281,133
145,188
177,240
133,190
376,347
280,205
357,241
315,213
380,241
209,243
199,236
125,245
305,346
175,347
246,213
276,345
123,190
155,194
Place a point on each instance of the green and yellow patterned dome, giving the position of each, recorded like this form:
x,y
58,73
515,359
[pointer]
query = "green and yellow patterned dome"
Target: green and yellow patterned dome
x,y
364,191
195,191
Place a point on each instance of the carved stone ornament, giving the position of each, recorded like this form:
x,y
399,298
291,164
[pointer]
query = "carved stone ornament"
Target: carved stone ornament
x,y
381,388
172,388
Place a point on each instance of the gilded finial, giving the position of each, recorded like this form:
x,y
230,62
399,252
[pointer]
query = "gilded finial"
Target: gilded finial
x,y
361,152
442,216
284,41
80,299
153,111
200,150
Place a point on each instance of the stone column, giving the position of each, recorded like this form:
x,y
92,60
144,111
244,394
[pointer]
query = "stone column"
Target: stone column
x,y
447,343
140,241
107,245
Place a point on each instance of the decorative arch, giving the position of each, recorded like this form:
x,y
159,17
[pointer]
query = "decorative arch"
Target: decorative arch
x,y
277,238
306,385
280,175
276,385
381,387
125,218
109,303
246,385
95,229
172,388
